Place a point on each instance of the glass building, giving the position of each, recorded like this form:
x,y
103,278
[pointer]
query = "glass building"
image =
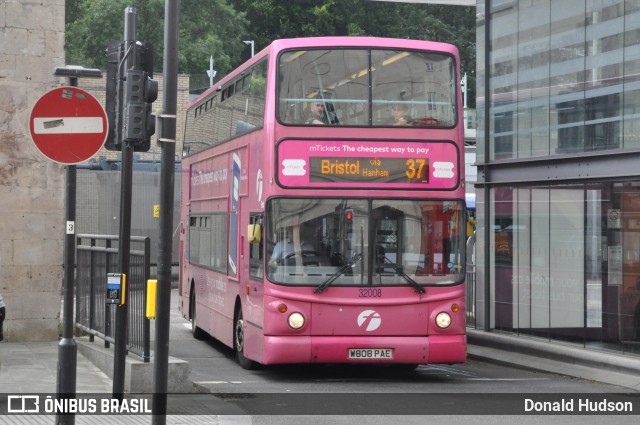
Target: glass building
x,y
558,156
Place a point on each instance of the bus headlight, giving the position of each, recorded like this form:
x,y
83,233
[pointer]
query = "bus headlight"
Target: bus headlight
x,y
443,320
296,320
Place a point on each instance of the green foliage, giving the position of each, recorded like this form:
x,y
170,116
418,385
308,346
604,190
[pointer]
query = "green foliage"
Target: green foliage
x,y
217,27
273,19
207,27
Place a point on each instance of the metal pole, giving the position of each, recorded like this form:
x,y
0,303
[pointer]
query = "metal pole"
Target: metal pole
x,y
486,188
124,246
466,90
252,44
211,72
167,175
67,348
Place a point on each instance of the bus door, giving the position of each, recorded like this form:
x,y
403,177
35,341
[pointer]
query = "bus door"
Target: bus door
x,y
233,215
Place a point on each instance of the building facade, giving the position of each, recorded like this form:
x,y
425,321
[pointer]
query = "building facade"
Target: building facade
x,y
31,186
558,193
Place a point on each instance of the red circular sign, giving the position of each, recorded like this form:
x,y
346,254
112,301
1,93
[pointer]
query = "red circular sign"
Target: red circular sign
x,y
68,125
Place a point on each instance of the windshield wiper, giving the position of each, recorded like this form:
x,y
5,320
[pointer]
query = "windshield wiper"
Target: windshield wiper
x,y
398,268
339,273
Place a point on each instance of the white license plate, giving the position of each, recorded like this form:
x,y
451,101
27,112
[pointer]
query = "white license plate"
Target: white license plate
x,y
370,353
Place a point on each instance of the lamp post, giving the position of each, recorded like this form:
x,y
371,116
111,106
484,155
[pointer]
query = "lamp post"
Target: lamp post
x,y
250,42
211,72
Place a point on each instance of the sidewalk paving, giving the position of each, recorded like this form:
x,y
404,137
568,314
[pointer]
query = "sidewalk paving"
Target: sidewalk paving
x,y
31,368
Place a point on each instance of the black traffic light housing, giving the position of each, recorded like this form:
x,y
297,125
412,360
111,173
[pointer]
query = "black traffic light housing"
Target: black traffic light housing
x,y
130,95
115,54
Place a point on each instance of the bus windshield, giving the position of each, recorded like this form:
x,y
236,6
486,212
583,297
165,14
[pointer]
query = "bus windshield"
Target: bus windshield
x,y
351,242
367,87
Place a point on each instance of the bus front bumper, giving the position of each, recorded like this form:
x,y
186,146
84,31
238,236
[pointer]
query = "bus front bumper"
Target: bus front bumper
x,y
334,349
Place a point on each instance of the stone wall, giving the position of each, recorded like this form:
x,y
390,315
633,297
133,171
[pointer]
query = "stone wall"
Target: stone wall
x,y
31,186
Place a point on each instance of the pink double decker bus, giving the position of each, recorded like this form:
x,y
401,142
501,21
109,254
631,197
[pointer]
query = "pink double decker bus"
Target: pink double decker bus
x,y
322,212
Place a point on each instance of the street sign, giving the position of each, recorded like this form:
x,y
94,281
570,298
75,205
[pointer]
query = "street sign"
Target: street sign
x,y
68,125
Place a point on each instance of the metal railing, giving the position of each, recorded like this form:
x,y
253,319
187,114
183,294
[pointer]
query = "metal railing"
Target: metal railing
x,y
97,255
471,282
471,295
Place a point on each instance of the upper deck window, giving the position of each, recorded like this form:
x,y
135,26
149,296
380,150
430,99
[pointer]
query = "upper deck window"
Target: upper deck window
x,y
367,87
236,109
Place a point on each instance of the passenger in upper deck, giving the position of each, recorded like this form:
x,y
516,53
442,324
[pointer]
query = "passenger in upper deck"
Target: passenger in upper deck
x,y
400,113
322,112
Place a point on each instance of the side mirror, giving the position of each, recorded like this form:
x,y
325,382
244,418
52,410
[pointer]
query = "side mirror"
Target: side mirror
x,y
254,233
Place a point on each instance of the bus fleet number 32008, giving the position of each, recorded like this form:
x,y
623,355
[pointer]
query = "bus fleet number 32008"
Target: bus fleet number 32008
x,y
370,353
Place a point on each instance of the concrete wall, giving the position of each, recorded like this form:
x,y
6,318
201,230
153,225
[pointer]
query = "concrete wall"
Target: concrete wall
x,y
31,186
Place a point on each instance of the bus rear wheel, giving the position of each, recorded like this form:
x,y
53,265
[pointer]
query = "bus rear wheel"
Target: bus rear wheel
x,y
238,343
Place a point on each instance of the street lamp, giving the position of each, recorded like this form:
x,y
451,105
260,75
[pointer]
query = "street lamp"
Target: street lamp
x,y
75,71
250,42
211,72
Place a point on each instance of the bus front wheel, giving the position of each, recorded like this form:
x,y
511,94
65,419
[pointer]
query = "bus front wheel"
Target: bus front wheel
x,y
196,331
238,343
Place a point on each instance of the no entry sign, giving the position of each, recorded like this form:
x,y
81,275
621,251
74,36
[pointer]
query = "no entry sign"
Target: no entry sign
x,y
68,125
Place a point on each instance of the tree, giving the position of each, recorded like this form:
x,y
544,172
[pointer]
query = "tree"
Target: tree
x,y
217,27
207,27
273,19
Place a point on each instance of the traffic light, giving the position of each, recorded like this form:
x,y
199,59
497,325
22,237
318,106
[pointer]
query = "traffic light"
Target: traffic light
x,y
139,123
115,53
144,59
130,95
348,220
348,214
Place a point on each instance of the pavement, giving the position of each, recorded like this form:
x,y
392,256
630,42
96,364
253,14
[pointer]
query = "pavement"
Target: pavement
x,y
31,368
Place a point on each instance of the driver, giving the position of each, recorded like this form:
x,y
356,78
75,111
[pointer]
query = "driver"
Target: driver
x,y
289,245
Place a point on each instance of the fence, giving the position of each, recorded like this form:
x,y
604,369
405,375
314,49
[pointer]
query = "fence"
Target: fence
x,y
97,255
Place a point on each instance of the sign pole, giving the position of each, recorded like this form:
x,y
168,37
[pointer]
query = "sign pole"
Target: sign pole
x,y
68,125
67,348
124,246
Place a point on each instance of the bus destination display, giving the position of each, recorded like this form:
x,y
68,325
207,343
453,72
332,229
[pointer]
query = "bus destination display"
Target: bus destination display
x,y
413,165
368,170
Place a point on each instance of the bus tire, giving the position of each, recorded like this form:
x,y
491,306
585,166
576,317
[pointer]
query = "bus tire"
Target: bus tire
x,y
405,367
238,343
196,331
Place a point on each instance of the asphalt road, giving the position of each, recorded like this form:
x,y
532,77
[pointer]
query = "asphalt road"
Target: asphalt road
x,y
471,393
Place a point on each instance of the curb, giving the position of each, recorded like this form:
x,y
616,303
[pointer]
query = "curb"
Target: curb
x,y
138,374
544,356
